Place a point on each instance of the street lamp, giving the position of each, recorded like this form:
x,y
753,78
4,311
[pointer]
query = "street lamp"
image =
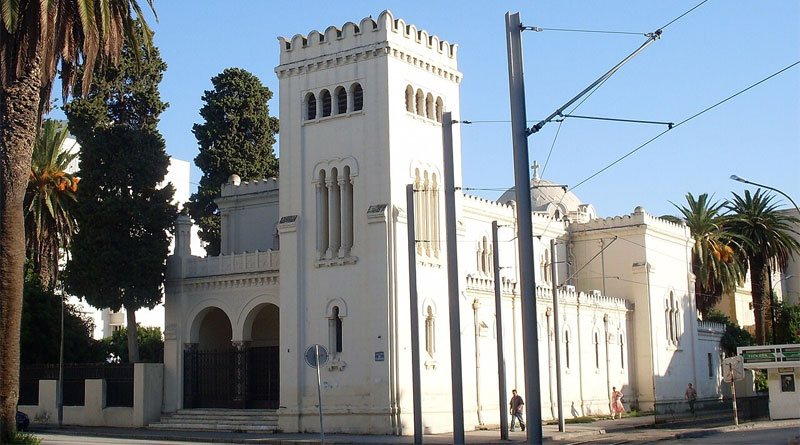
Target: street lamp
x,y
740,179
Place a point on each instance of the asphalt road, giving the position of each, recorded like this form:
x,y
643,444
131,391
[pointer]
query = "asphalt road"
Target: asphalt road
x,y
766,436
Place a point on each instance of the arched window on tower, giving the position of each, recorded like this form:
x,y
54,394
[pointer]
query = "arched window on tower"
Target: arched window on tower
x,y
311,106
341,100
409,99
621,351
429,111
566,347
439,109
358,97
420,103
326,103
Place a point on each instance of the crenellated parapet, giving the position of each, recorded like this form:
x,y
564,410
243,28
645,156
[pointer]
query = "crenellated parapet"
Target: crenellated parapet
x,y
236,187
639,217
369,38
486,284
711,327
568,295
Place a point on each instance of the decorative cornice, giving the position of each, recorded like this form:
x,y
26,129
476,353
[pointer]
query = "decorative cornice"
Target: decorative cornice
x,y
229,282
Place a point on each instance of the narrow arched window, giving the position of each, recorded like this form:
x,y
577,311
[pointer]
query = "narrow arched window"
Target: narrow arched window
x,y
409,99
439,109
430,332
429,112
326,103
566,347
420,103
341,101
336,328
311,106
597,350
358,97
484,256
621,352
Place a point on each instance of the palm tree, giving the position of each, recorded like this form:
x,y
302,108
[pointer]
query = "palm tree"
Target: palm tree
x,y
36,38
49,223
769,242
715,264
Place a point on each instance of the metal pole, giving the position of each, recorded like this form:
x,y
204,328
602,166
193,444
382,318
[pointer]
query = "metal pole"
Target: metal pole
x,y
452,278
60,393
733,395
319,396
557,328
519,137
498,313
412,286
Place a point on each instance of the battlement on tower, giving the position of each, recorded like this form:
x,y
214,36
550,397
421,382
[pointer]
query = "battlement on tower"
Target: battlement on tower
x,y
369,35
639,217
236,187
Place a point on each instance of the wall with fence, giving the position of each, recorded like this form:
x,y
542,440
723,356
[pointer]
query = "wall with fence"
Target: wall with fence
x,y
119,395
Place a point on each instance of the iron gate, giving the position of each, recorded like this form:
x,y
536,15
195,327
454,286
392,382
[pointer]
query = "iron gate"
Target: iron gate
x,y
231,378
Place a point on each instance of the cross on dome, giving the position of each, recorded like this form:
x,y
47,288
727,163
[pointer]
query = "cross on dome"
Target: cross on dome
x,y
535,168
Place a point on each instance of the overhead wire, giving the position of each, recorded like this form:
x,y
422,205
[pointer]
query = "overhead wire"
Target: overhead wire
x,y
620,159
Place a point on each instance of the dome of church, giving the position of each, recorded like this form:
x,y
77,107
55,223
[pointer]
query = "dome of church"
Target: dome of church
x,y
545,194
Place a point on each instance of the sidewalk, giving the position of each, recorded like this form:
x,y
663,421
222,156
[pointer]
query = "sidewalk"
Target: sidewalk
x,y
550,433
643,426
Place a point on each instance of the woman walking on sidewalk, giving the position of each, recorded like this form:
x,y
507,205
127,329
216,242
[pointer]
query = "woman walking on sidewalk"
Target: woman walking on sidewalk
x,y
616,403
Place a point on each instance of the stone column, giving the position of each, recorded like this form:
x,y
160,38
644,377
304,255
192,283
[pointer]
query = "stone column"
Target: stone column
x,y
335,218
436,223
240,375
322,219
346,188
426,216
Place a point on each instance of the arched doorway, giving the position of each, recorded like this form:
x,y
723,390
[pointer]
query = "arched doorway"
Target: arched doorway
x,y
262,330
209,362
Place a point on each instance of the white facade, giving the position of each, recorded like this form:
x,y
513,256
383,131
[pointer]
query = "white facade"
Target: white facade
x,y
320,256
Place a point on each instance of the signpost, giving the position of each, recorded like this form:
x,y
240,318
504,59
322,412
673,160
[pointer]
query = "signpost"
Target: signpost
x,y
732,371
317,356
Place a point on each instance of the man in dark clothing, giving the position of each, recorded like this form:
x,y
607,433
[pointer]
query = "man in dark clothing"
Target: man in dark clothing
x,y
691,396
516,409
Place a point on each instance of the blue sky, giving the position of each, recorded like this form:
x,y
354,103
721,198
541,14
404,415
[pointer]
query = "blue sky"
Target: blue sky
x,y
718,49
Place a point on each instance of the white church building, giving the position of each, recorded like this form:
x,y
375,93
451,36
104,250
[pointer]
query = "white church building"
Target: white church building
x,y
320,255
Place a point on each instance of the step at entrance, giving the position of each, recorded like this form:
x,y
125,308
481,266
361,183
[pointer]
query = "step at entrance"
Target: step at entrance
x,y
245,420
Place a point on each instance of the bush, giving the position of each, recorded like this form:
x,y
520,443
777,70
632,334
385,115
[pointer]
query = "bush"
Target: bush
x,y
151,345
25,439
734,335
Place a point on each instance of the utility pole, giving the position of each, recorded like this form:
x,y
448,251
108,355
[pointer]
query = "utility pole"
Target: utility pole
x,y
498,313
452,278
557,333
412,286
519,137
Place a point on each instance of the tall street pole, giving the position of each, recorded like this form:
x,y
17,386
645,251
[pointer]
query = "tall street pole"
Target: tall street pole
x,y
452,278
412,286
498,313
557,333
519,137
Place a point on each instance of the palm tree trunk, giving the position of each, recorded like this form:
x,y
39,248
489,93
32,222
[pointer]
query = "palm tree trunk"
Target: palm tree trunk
x,y
758,288
133,334
19,105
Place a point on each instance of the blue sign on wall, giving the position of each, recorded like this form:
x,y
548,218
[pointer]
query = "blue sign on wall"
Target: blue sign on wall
x,y
379,356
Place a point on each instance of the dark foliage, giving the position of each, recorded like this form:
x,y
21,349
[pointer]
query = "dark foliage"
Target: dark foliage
x,y
151,345
236,138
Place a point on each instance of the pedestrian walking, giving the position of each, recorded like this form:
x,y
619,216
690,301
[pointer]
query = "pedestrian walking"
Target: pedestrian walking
x,y
516,409
616,403
691,396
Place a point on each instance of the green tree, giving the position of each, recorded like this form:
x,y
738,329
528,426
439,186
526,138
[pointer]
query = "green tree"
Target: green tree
x,y
36,37
715,264
40,336
767,242
119,253
787,329
151,345
236,137
49,223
